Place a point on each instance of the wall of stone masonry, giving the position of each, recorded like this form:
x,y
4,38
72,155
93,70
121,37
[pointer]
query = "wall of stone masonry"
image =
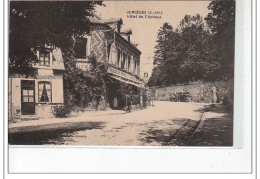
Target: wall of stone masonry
x,y
200,92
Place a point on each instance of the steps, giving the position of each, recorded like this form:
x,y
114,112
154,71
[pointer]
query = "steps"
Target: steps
x,y
29,117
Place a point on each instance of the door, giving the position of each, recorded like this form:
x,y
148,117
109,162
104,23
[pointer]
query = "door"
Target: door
x,y
28,97
115,103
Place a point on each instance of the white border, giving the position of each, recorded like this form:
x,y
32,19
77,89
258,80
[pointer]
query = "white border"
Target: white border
x,y
177,160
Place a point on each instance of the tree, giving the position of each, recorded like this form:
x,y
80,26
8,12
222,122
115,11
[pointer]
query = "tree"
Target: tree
x,y
190,54
165,56
55,24
221,21
158,76
197,53
164,44
84,87
37,24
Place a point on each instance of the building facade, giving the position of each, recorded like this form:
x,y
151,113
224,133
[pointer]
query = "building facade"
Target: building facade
x,y
110,41
34,97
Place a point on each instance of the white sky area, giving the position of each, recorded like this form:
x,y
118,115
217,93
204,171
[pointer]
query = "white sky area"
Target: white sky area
x,y
145,30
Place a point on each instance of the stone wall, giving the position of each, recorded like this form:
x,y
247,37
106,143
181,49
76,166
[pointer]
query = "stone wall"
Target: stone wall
x,y
200,92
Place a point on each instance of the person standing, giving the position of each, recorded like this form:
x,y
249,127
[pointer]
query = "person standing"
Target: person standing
x,y
98,98
215,94
141,101
144,100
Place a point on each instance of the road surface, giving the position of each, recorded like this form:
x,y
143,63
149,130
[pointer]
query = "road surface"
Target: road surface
x,y
164,124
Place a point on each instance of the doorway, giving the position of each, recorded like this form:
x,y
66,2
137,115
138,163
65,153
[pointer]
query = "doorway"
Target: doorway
x,y
28,97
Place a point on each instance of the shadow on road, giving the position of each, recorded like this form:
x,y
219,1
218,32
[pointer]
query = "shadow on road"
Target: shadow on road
x,y
177,136
216,108
215,132
52,135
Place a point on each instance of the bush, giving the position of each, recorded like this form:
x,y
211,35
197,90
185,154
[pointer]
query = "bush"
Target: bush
x,y
61,111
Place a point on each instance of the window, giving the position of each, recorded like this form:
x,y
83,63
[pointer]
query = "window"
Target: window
x,y
80,48
44,57
129,63
108,51
124,61
135,68
44,91
28,95
138,68
118,57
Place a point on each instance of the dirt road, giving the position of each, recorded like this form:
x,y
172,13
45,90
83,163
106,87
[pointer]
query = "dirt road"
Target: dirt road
x,y
165,123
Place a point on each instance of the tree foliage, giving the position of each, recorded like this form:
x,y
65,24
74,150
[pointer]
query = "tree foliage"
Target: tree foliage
x,y
196,50
164,42
35,24
198,62
55,24
84,87
221,21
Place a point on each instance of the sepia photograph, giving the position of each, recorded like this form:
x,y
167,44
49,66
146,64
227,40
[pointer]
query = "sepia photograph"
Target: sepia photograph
x,y
121,73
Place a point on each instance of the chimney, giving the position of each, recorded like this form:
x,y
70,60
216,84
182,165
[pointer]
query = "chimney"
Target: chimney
x,y
118,28
128,37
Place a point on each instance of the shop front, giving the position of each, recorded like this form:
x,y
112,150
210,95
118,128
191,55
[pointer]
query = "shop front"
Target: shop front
x,y
123,89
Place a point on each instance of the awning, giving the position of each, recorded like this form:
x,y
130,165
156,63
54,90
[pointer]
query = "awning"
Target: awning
x,y
127,81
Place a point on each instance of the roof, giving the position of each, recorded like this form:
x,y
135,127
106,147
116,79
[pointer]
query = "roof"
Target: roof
x,y
96,19
112,20
57,64
125,29
129,43
93,19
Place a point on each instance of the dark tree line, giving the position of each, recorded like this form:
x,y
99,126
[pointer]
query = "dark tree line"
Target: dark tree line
x,y
198,49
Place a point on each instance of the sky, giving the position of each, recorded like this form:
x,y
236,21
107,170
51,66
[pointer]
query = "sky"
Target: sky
x,y
145,30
